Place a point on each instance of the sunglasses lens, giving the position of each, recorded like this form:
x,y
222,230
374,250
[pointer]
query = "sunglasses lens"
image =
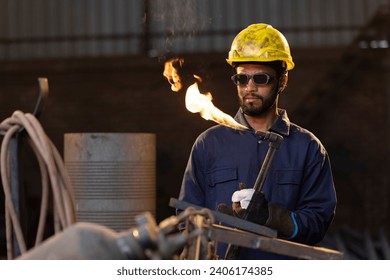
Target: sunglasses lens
x,y
240,79
261,79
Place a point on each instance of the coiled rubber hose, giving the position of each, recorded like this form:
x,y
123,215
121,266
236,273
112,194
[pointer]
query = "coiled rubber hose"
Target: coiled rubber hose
x,y
53,174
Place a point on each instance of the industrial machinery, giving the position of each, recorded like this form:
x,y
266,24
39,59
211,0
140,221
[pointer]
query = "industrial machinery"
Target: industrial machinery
x,y
88,241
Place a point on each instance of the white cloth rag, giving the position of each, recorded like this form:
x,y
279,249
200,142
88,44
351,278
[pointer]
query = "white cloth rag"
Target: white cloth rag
x,y
243,196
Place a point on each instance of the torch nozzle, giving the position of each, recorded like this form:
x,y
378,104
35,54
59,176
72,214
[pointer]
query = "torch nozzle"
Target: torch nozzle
x,y
274,138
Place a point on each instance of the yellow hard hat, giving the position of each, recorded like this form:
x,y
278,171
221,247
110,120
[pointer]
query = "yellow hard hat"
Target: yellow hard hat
x,y
260,42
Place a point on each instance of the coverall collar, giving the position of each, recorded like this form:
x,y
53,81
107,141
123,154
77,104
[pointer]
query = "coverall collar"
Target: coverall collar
x,y
281,126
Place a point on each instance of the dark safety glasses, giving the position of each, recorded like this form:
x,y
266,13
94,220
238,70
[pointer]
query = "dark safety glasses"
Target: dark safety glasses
x,y
259,79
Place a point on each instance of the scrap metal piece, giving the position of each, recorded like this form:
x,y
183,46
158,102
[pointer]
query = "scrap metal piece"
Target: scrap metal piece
x,y
42,97
384,245
250,235
272,245
224,218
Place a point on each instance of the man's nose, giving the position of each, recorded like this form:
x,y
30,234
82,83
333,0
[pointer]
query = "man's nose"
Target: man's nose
x,y
251,86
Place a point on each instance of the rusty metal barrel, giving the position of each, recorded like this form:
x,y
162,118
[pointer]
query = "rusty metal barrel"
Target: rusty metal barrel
x,y
113,176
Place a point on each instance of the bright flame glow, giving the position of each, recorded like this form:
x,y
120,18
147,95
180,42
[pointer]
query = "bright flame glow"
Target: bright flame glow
x,y
201,103
171,73
195,101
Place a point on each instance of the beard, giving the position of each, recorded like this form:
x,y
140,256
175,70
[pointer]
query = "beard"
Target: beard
x,y
252,109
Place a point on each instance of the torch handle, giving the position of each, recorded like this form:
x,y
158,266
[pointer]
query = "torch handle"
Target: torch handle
x,y
273,147
275,140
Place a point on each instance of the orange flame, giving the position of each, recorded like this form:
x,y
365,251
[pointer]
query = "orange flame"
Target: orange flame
x,y
197,102
201,103
172,75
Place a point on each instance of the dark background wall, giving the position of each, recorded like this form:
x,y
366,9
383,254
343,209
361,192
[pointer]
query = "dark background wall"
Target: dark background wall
x,y
129,94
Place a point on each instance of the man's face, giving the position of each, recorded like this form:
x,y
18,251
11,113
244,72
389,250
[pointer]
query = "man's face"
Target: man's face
x,y
254,99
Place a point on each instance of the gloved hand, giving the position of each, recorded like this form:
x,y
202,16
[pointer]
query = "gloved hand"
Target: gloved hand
x,y
263,212
240,202
281,219
244,195
225,209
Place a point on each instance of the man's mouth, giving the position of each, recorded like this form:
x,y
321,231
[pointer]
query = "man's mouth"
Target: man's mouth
x,y
252,98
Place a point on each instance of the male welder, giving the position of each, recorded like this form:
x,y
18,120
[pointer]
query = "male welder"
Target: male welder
x,y
298,197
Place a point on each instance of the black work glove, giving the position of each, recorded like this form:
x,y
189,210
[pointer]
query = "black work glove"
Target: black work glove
x,y
281,220
252,206
225,209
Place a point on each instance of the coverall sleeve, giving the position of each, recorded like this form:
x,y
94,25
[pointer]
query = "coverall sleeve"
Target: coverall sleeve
x,y
316,205
191,189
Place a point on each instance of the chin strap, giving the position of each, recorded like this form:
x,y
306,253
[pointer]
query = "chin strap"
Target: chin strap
x,y
282,82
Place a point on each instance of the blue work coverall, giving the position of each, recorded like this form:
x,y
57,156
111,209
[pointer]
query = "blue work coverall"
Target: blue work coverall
x,y
299,179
